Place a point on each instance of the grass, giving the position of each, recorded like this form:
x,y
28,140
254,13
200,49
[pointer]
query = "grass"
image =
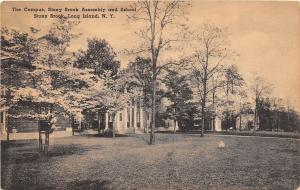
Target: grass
x,y
294,135
180,161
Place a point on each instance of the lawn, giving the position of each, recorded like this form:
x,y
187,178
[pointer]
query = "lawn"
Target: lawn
x,y
180,161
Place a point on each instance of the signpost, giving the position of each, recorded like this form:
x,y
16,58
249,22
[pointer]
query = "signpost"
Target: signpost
x,y
44,129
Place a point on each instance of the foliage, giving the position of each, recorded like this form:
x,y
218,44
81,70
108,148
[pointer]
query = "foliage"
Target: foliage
x,y
180,95
259,89
274,115
54,79
140,70
99,56
17,45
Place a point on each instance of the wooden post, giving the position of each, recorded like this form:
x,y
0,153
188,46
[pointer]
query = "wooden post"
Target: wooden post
x,y
40,141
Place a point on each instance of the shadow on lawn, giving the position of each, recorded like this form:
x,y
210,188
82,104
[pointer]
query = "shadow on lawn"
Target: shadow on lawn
x,y
14,143
107,135
90,184
66,150
14,152
28,185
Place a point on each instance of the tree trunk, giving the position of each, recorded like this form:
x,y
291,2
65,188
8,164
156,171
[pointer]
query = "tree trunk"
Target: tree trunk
x,y
7,134
154,61
203,119
255,115
240,121
152,137
7,124
214,122
113,127
203,109
277,115
227,112
99,122
213,105
204,94
203,106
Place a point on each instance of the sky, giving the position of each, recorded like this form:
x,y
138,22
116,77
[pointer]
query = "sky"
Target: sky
x,y
265,34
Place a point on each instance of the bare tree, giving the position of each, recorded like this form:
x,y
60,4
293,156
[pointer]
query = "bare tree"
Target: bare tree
x,y
158,18
259,89
233,86
211,49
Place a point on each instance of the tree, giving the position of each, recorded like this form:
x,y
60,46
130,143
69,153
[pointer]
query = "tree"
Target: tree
x,y
244,104
158,19
17,51
99,56
138,77
116,97
233,93
211,49
17,45
259,89
141,71
180,94
54,80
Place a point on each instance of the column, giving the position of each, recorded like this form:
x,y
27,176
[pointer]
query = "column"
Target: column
x,y
117,120
134,115
125,117
130,114
141,118
218,124
176,125
148,121
106,120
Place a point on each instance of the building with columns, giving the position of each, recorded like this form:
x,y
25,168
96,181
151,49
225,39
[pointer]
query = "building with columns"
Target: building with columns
x,y
131,119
